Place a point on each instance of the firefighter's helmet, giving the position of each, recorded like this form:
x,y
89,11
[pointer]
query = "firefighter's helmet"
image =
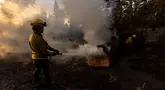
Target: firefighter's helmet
x,y
38,22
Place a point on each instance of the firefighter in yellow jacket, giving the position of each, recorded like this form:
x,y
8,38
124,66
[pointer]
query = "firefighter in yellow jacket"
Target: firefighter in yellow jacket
x,y
40,51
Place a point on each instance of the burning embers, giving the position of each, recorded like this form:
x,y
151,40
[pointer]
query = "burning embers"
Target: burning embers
x,y
95,56
95,61
102,60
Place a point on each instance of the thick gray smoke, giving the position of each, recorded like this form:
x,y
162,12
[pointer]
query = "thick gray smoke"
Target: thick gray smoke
x,y
90,16
87,17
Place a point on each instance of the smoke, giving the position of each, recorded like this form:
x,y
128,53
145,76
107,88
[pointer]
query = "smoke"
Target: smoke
x,y
90,14
88,17
14,32
87,50
16,14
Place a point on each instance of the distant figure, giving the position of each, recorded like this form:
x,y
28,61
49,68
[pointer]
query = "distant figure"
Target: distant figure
x,y
40,51
112,50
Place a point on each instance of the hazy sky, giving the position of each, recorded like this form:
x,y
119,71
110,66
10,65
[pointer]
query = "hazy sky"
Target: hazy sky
x,y
48,4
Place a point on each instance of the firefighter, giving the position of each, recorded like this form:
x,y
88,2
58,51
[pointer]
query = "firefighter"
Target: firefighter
x,y
131,42
40,51
111,49
134,43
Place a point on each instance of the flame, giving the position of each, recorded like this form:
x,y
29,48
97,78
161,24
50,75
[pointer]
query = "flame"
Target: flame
x,y
66,21
97,62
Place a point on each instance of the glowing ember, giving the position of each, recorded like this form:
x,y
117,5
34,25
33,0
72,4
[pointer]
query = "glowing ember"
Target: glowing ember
x,y
98,62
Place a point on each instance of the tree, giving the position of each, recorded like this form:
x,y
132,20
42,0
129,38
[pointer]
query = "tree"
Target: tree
x,y
130,15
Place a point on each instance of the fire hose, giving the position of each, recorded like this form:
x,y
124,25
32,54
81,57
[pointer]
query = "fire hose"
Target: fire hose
x,y
51,56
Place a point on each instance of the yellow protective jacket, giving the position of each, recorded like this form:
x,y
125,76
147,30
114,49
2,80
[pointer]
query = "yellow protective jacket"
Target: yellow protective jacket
x,y
39,46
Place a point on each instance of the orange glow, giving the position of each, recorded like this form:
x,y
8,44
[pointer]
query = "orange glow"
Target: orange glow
x,y
105,62
66,21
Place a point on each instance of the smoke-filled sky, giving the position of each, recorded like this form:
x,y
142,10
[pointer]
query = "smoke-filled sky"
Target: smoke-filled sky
x,y
49,4
46,3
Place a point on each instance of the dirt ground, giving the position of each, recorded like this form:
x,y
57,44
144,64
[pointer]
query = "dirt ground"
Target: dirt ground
x,y
131,73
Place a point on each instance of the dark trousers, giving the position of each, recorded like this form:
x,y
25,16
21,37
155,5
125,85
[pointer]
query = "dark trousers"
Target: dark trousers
x,y
42,64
